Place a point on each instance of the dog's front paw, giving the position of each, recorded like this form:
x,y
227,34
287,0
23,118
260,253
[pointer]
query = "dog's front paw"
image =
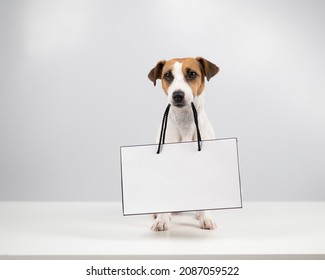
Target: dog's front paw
x,y
161,223
207,224
206,220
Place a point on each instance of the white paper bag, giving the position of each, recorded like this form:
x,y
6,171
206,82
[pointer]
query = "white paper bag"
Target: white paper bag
x,y
180,178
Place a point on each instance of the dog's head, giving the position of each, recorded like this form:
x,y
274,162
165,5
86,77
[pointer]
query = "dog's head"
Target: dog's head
x,y
183,78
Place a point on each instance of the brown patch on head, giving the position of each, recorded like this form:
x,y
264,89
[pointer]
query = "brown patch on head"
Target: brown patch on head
x,y
193,74
190,66
166,80
194,70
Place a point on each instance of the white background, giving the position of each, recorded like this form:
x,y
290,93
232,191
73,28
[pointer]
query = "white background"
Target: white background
x,y
74,88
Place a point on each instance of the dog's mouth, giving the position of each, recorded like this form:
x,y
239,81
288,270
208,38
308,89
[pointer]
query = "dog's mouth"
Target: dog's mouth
x,y
179,104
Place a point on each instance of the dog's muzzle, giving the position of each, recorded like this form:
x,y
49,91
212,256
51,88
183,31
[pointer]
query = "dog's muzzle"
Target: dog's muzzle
x,y
178,98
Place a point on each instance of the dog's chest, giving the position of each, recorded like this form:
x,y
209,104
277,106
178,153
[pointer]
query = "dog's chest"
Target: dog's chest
x,y
183,124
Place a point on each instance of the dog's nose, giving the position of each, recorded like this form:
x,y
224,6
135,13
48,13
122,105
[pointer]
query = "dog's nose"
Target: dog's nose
x,y
178,96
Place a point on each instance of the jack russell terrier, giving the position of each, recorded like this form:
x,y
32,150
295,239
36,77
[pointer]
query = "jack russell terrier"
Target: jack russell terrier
x,y
183,83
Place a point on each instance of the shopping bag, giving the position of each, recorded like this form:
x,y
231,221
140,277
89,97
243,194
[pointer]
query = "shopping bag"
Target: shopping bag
x,y
180,178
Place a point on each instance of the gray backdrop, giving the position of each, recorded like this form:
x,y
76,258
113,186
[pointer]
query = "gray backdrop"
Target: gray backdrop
x,y
74,87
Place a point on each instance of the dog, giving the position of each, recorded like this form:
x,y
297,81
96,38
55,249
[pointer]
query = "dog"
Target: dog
x,y
183,81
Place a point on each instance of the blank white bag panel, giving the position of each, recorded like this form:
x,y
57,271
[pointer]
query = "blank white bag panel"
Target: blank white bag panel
x,y
180,178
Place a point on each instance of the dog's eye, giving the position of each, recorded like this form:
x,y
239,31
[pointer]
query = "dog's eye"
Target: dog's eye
x,y
191,75
168,76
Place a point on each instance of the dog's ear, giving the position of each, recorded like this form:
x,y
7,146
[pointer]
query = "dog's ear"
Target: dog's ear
x,y
155,73
209,68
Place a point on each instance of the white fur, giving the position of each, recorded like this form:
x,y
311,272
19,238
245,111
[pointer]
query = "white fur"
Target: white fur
x,y
179,83
180,128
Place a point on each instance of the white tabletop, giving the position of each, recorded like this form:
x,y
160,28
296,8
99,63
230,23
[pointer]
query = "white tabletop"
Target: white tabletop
x,y
99,230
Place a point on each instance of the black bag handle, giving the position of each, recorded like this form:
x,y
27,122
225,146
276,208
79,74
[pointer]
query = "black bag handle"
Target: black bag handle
x,y
164,127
